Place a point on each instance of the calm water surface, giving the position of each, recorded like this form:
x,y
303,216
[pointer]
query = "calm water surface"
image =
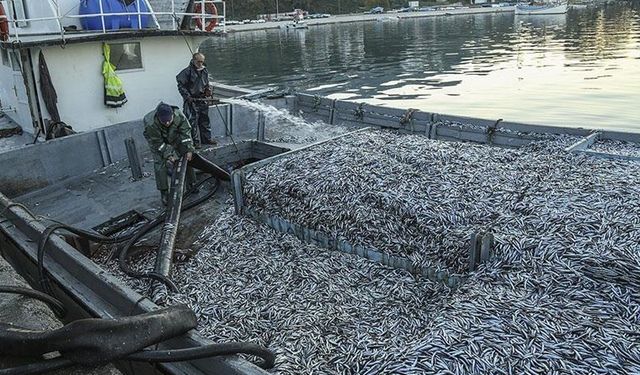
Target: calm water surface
x,y
578,69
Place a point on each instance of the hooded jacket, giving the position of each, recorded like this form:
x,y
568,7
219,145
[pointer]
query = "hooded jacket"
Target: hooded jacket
x,y
165,141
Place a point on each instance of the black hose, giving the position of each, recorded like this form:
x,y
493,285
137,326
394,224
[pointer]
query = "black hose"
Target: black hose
x,y
123,256
52,302
95,237
176,355
164,356
130,239
41,367
44,282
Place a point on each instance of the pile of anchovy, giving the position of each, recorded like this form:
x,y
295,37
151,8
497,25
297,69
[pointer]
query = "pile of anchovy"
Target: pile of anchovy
x,y
560,295
399,194
318,310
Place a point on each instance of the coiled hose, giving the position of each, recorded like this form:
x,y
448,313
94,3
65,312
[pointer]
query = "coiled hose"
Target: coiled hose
x,y
129,240
159,356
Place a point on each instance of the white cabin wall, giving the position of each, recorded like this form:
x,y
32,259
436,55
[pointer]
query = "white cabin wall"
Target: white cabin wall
x,y
76,72
7,94
13,91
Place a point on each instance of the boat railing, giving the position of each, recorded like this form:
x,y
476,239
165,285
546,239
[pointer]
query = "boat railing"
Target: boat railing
x,y
17,26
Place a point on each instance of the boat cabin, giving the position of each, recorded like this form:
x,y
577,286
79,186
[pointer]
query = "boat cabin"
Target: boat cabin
x,y
54,54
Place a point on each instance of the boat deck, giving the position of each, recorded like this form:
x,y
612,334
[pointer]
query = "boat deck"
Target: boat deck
x,y
11,135
91,200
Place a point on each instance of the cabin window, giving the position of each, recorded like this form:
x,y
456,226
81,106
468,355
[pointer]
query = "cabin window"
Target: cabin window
x,y
126,56
5,57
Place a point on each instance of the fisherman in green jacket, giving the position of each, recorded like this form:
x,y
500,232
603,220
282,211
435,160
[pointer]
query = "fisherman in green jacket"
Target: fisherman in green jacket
x,y
169,135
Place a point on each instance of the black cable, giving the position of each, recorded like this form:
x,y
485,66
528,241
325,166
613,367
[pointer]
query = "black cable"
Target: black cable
x,y
35,139
176,355
53,302
226,126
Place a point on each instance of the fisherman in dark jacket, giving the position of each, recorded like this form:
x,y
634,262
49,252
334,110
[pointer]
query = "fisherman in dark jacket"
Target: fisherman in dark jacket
x,y
169,135
193,85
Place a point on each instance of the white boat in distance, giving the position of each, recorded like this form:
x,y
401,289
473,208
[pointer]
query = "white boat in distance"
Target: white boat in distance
x,y
524,9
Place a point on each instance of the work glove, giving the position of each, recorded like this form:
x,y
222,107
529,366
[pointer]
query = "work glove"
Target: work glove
x,y
208,92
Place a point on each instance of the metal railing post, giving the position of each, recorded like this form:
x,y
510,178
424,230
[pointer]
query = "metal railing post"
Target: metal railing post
x,y
173,15
104,29
203,11
14,21
58,16
58,19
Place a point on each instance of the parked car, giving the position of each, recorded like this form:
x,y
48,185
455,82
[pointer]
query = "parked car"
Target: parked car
x,y
232,22
377,10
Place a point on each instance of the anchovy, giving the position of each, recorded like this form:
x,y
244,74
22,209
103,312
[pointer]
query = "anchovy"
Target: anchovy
x,y
561,293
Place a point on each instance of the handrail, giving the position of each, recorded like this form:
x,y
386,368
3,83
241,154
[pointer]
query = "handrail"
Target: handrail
x,y
14,34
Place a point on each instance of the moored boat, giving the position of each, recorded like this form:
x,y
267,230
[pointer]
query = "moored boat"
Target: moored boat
x,y
544,9
294,26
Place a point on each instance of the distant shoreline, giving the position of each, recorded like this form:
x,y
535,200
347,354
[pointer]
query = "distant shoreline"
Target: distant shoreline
x,y
349,18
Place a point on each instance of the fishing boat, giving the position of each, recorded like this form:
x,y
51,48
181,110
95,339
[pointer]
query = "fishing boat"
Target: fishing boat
x,y
544,9
85,180
283,255
38,41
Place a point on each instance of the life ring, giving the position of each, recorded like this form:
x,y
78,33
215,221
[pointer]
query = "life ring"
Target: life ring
x,y
211,9
4,25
